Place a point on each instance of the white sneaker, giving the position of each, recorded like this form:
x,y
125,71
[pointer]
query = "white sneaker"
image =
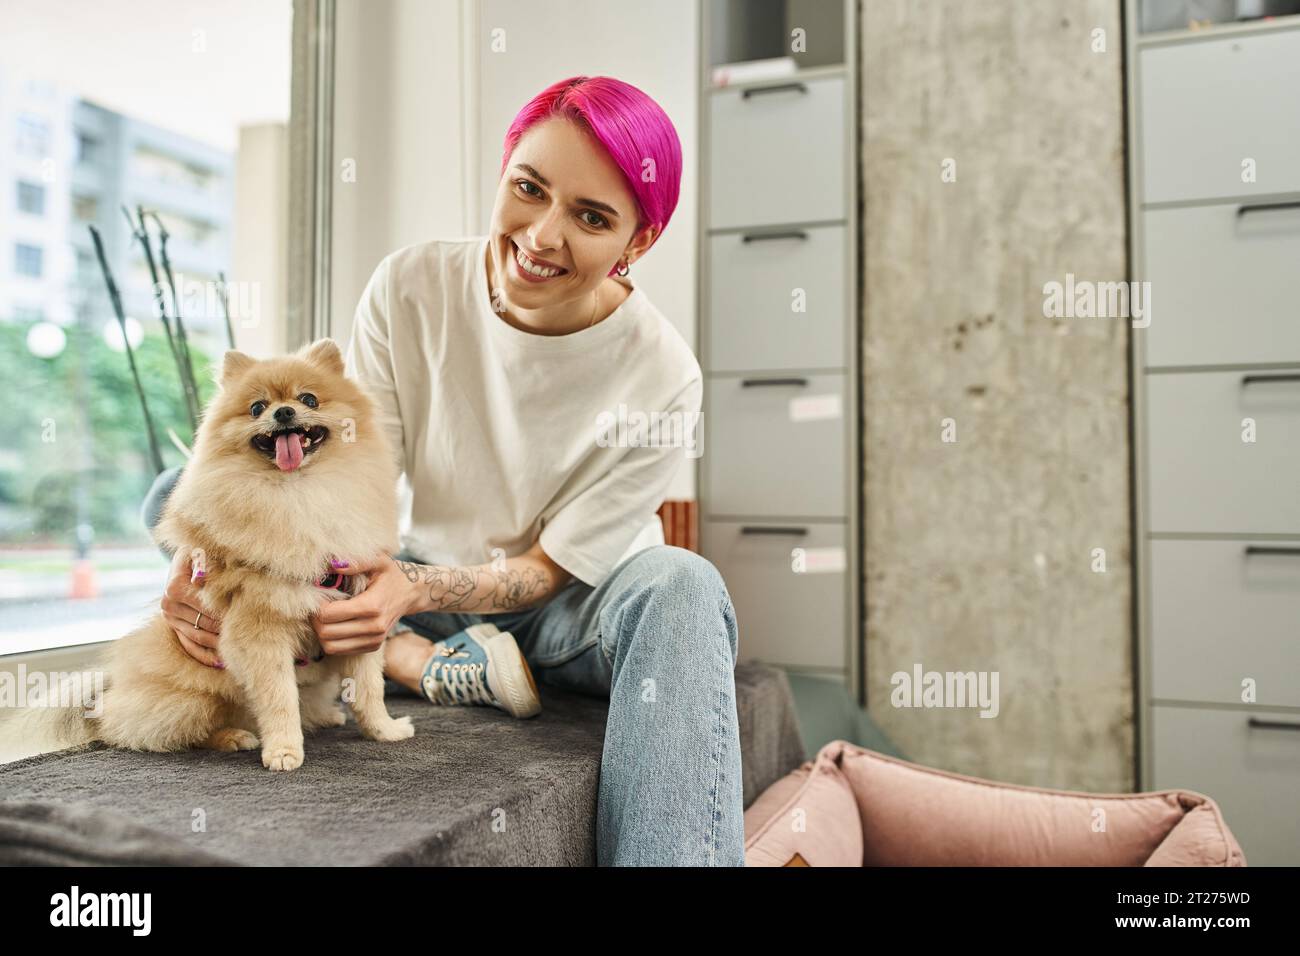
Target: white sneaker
x,y
481,665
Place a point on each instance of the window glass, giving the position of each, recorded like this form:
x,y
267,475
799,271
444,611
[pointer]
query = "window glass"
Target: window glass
x,y
160,105
31,198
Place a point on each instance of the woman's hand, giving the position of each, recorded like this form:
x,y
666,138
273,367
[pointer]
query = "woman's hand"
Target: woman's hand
x,y
181,607
359,624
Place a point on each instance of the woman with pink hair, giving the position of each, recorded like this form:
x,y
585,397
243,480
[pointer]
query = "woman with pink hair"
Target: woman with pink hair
x,y
501,364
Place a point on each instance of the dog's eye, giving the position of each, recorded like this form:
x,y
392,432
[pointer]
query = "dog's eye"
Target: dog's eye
x,y
308,399
257,409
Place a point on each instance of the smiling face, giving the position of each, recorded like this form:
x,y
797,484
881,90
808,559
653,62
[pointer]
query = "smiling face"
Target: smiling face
x,y
283,411
562,207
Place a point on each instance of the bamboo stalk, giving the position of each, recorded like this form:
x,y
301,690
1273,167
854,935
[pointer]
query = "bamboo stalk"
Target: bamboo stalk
x,y
160,299
163,236
154,452
225,309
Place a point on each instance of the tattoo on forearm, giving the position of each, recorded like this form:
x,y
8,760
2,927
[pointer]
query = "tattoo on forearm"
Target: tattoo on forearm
x,y
476,588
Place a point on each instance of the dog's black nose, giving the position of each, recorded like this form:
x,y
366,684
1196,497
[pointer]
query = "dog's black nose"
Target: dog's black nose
x,y
284,414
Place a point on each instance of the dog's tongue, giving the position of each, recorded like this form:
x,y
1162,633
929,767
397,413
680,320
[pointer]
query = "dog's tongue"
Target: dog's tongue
x,y
288,451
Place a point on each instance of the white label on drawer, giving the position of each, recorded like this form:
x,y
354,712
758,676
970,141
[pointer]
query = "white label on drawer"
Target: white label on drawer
x,y
811,408
817,560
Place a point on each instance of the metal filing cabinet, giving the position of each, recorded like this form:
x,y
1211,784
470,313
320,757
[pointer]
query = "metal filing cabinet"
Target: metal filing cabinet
x,y
780,474
1218,517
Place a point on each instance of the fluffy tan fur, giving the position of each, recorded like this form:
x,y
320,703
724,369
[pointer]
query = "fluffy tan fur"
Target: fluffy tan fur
x,y
264,536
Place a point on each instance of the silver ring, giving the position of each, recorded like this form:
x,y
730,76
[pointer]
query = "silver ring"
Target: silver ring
x,y
196,620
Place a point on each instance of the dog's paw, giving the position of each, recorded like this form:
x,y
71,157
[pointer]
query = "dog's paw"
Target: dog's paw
x,y
399,729
232,738
281,757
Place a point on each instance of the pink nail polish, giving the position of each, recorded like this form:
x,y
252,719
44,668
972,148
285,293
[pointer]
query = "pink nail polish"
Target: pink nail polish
x,y
220,665
335,562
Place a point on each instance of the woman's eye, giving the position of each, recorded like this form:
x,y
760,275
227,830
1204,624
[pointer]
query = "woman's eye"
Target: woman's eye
x,y
257,409
596,225
308,399
526,185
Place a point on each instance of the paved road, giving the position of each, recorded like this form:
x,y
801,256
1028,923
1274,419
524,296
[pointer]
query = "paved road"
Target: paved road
x,y
38,625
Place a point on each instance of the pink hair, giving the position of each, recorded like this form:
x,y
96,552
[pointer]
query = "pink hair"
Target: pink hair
x,y
630,126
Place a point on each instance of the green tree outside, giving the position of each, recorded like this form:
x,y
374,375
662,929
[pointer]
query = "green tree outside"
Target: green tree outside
x,y
39,476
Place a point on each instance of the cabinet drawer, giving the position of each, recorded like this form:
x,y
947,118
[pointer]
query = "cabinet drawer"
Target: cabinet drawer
x,y
1201,476
1224,611
783,616
777,153
777,446
752,322
1209,105
1252,773
1225,281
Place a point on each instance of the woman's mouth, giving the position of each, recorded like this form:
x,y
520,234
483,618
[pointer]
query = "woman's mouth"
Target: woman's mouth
x,y
287,447
532,270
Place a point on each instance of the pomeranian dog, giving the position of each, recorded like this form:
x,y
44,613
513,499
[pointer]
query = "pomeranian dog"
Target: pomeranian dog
x,y
290,469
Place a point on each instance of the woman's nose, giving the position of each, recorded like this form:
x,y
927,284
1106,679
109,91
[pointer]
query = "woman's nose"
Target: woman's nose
x,y
546,234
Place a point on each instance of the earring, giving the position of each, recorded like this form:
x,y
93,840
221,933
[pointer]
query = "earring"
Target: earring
x,y
624,268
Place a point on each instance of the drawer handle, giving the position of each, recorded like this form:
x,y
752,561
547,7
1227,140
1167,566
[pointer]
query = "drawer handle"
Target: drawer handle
x,y
1260,549
1247,379
1265,207
778,88
759,529
761,236
1273,724
754,382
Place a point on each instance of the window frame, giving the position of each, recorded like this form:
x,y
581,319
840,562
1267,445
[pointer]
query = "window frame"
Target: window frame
x,y
311,148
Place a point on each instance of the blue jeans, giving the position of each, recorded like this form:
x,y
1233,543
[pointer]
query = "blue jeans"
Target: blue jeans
x,y
658,638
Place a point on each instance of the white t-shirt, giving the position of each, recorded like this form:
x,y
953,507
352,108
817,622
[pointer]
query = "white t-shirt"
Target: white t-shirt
x,y
504,434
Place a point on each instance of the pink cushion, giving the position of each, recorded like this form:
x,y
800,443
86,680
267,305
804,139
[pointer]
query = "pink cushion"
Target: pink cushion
x,y
1201,838
810,813
909,815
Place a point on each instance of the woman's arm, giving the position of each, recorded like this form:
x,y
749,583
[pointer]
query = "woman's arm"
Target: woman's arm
x,y
395,588
509,584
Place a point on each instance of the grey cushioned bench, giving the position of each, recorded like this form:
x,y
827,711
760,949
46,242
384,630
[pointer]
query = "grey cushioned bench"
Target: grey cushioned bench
x,y
427,800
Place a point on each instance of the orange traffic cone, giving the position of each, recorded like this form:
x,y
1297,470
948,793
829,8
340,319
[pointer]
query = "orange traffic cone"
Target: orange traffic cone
x,y
84,584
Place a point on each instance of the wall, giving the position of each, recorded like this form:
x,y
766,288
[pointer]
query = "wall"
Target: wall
x,y
979,552
399,173
260,245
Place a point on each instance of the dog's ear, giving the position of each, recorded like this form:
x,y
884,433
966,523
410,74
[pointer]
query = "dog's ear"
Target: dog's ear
x,y
324,352
234,364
